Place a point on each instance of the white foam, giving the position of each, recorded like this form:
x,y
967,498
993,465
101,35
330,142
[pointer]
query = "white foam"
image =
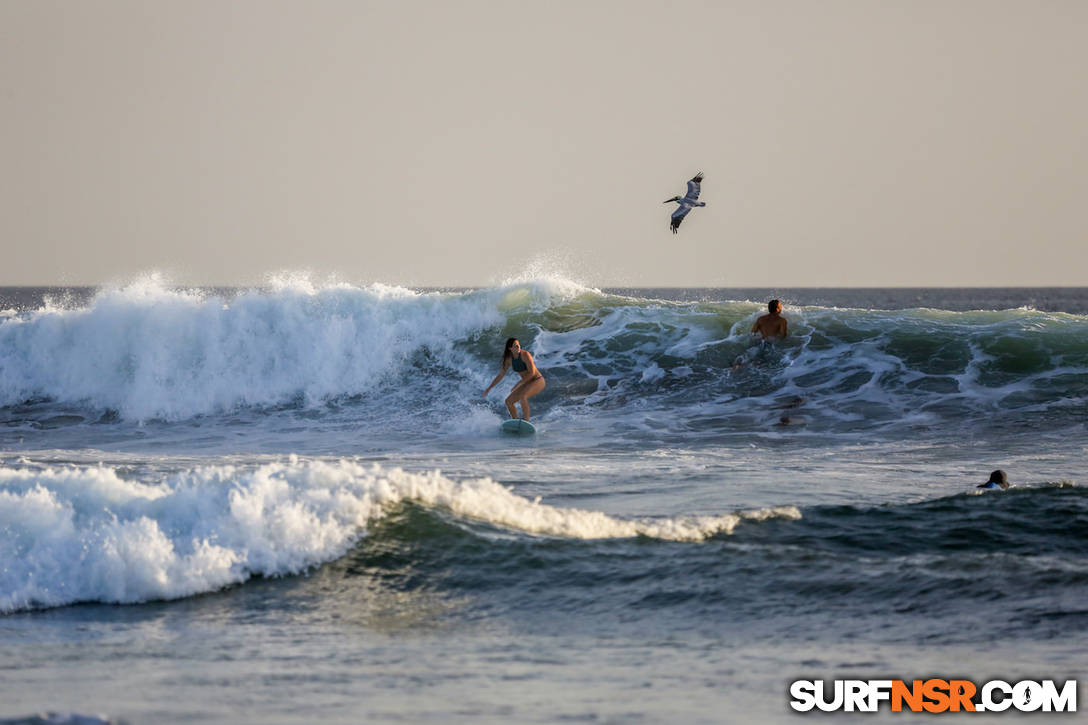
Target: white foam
x,y
653,373
477,420
71,534
149,352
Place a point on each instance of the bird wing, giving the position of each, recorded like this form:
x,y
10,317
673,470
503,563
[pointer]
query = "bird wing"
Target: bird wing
x,y
693,187
678,216
681,211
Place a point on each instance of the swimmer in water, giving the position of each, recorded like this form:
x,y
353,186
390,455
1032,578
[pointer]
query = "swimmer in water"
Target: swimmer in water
x,y
771,325
998,480
531,383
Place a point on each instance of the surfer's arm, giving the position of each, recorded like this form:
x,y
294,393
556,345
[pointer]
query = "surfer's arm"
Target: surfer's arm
x,y
499,377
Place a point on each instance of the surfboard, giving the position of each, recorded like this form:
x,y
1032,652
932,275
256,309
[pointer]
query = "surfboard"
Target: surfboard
x,y
517,427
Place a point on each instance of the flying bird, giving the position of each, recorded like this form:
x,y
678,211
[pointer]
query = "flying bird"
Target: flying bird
x,y
686,202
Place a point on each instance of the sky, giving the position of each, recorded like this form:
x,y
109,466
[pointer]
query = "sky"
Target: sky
x,y
463,143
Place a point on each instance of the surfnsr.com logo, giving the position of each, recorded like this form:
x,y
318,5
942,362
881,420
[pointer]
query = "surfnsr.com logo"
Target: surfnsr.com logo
x,y
933,695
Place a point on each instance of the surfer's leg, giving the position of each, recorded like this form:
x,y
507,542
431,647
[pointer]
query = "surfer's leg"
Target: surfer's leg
x,y
512,399
528,390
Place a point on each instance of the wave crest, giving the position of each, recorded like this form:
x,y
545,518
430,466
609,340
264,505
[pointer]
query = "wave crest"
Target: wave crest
x,y
148,352
74,534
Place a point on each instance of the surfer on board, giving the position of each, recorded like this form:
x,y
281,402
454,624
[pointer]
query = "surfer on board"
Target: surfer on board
x,y
531,383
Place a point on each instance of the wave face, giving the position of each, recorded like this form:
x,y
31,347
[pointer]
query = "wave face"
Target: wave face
x,y
687,368
89,534
95,534
147,352
989,565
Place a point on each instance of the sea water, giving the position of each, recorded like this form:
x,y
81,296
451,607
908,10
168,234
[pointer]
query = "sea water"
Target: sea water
x,y
292,504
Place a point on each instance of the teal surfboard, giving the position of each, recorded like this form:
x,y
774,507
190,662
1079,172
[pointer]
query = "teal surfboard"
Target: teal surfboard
x,y
517,427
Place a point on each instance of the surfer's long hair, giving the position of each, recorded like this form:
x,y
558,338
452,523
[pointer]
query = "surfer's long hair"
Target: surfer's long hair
x,y
506,354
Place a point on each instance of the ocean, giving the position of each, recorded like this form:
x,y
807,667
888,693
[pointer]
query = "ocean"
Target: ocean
x,y
292,504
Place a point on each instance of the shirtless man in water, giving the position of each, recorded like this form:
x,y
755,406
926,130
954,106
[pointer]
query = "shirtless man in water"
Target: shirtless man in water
x,y
772,325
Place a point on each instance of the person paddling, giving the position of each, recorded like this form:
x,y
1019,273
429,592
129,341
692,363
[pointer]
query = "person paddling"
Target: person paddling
x,y
998,480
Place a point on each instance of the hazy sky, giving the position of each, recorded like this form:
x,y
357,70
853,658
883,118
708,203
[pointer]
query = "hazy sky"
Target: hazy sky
x,y
845,143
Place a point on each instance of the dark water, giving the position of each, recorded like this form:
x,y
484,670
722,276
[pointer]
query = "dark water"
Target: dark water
x,y
293,504
983,554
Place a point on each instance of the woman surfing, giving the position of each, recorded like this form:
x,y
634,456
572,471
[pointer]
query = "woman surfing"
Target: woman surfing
x,y
531,383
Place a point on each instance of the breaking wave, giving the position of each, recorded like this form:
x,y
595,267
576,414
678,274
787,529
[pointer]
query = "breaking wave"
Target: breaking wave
x,y
146,352
78,534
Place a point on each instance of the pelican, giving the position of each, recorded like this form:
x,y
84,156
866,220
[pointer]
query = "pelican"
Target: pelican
x,y
686,202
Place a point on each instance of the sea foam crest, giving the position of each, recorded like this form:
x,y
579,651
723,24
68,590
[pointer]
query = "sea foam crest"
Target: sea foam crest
x,y
71,534
149,352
